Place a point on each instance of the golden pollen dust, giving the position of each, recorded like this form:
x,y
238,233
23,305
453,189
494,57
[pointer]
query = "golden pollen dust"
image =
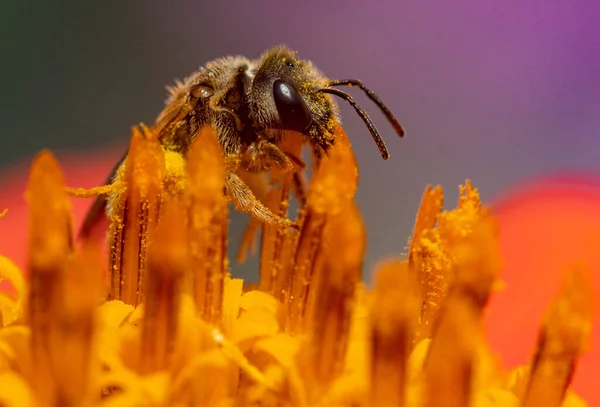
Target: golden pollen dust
x,y
170,326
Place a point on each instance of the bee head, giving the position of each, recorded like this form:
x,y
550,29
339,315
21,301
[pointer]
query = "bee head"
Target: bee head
x,y
285,96
292,94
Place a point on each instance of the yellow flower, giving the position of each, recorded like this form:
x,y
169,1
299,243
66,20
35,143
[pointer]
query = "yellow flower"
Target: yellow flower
x,y
171,327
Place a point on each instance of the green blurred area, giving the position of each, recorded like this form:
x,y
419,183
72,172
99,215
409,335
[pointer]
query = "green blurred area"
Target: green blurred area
x,y
66,66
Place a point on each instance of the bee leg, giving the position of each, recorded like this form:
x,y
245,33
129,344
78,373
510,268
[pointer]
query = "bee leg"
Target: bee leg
x,y
299,187
257,182
245,201
298,162
232,162
261,156
96,222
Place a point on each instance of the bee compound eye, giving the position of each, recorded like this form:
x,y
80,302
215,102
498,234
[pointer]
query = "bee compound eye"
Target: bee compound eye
x,y
293,112
201,91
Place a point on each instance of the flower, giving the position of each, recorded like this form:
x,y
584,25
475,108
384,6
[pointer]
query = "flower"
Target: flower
x,y
172,327
546,225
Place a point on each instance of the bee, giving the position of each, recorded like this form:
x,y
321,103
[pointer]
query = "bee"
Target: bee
x,y
250,104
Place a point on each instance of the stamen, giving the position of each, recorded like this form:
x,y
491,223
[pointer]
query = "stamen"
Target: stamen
x,y
329,312
432,257
478,263
449,365
133,216
457,333
332,187
73,327
50,245
273,236
167,264
564,337
393,316
432,203
207,224
279,243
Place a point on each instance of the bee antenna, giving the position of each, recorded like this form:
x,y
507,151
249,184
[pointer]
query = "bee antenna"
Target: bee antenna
x,y
373,96
364,116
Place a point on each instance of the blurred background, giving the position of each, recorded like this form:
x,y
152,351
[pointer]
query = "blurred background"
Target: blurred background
x,y
497,92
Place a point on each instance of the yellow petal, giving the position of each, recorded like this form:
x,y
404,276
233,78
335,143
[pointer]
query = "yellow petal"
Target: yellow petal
x,y
232,293
113,313
9,271
573,400
15,391
417,358
258,300
9,309
14,348
258,317
253,324
148,390
135,318
233,353
282,347
496,398
194,335
192,388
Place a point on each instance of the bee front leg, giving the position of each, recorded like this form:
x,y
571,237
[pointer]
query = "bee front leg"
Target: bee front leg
x,y
264,155
299,187
244,200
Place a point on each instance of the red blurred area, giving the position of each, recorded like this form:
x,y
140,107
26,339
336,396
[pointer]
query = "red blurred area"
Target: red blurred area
x,y
546,226
80,171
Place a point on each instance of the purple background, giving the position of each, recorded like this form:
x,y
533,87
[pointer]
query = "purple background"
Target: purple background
x,y
497,91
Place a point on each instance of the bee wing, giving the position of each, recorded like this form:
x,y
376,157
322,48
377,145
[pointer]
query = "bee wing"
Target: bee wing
x,y
175,110
96,221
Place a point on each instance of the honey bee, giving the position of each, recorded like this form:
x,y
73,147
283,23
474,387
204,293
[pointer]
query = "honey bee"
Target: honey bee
x,y
250,104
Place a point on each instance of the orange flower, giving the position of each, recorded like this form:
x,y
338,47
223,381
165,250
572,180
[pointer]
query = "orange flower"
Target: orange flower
x,y
173,327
